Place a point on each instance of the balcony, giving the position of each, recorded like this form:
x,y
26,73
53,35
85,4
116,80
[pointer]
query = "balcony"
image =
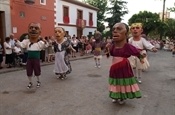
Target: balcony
x,y
66,19
90,23
81,23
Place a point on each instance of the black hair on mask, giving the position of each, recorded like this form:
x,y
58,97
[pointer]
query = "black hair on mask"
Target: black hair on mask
x,y
127,27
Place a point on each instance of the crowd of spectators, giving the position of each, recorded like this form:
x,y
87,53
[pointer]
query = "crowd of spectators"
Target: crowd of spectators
x,y
13,53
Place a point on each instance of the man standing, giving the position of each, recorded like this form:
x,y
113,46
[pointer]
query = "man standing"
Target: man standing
x,y
141,44
33,46
12,43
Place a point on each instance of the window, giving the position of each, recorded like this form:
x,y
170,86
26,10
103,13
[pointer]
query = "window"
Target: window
x,y
21,14
66,14
80,14
43,2
90,16
90,33
90,19
65,11
67,33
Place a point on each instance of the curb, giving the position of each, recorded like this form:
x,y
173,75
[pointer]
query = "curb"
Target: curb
x,y
43,64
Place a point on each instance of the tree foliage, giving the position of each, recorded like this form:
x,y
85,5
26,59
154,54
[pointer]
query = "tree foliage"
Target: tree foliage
x,y
170,28
172,9
117,10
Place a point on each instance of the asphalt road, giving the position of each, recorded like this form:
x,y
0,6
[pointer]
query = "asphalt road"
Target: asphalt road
x,y
85,91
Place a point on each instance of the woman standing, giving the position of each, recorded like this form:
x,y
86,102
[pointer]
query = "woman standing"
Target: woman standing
x,y
8,52
1,55
74,43
49,49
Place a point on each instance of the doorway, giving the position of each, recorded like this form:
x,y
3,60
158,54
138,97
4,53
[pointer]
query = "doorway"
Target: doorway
x,y
79,29
2,27
79,32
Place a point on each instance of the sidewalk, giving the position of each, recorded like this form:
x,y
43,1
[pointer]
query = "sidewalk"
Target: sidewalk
x,y
18,68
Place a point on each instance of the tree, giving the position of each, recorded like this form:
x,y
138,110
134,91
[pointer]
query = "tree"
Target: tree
x,y
172,9
117,9
170,28
151,21
102,5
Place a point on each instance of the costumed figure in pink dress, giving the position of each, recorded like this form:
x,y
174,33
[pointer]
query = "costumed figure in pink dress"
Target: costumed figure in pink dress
x,y
122,83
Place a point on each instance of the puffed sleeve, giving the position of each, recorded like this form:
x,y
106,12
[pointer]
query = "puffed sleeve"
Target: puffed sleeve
x,y
147,44
23,44
133,51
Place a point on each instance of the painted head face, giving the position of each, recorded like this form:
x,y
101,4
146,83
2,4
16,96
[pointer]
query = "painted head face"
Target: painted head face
x,y
59,33
97,36
136,29
119,32
34,30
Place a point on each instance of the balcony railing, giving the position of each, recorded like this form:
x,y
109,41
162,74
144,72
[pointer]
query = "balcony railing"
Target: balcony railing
x,y
66,19
81,23
90,23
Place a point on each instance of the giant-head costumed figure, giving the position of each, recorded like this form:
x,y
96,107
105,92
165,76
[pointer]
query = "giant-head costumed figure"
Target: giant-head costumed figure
x,y
97,48
97,36
34,30
34,47
136,30
62,47
142,45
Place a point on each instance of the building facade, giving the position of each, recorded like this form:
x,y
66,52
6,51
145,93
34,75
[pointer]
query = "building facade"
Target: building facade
x,y
22,14
5,19
166,15
75,17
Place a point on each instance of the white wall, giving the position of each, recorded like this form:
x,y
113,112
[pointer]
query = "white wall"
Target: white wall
x,y
73,13
5,6
87,30
72,30
73,17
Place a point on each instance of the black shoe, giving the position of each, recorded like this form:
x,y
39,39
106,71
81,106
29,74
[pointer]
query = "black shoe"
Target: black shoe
x,y
56,73
9,66
30,85
63,77
38,84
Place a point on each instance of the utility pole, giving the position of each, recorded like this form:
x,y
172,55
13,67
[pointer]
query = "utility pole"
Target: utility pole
x,y
163,16
163,13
